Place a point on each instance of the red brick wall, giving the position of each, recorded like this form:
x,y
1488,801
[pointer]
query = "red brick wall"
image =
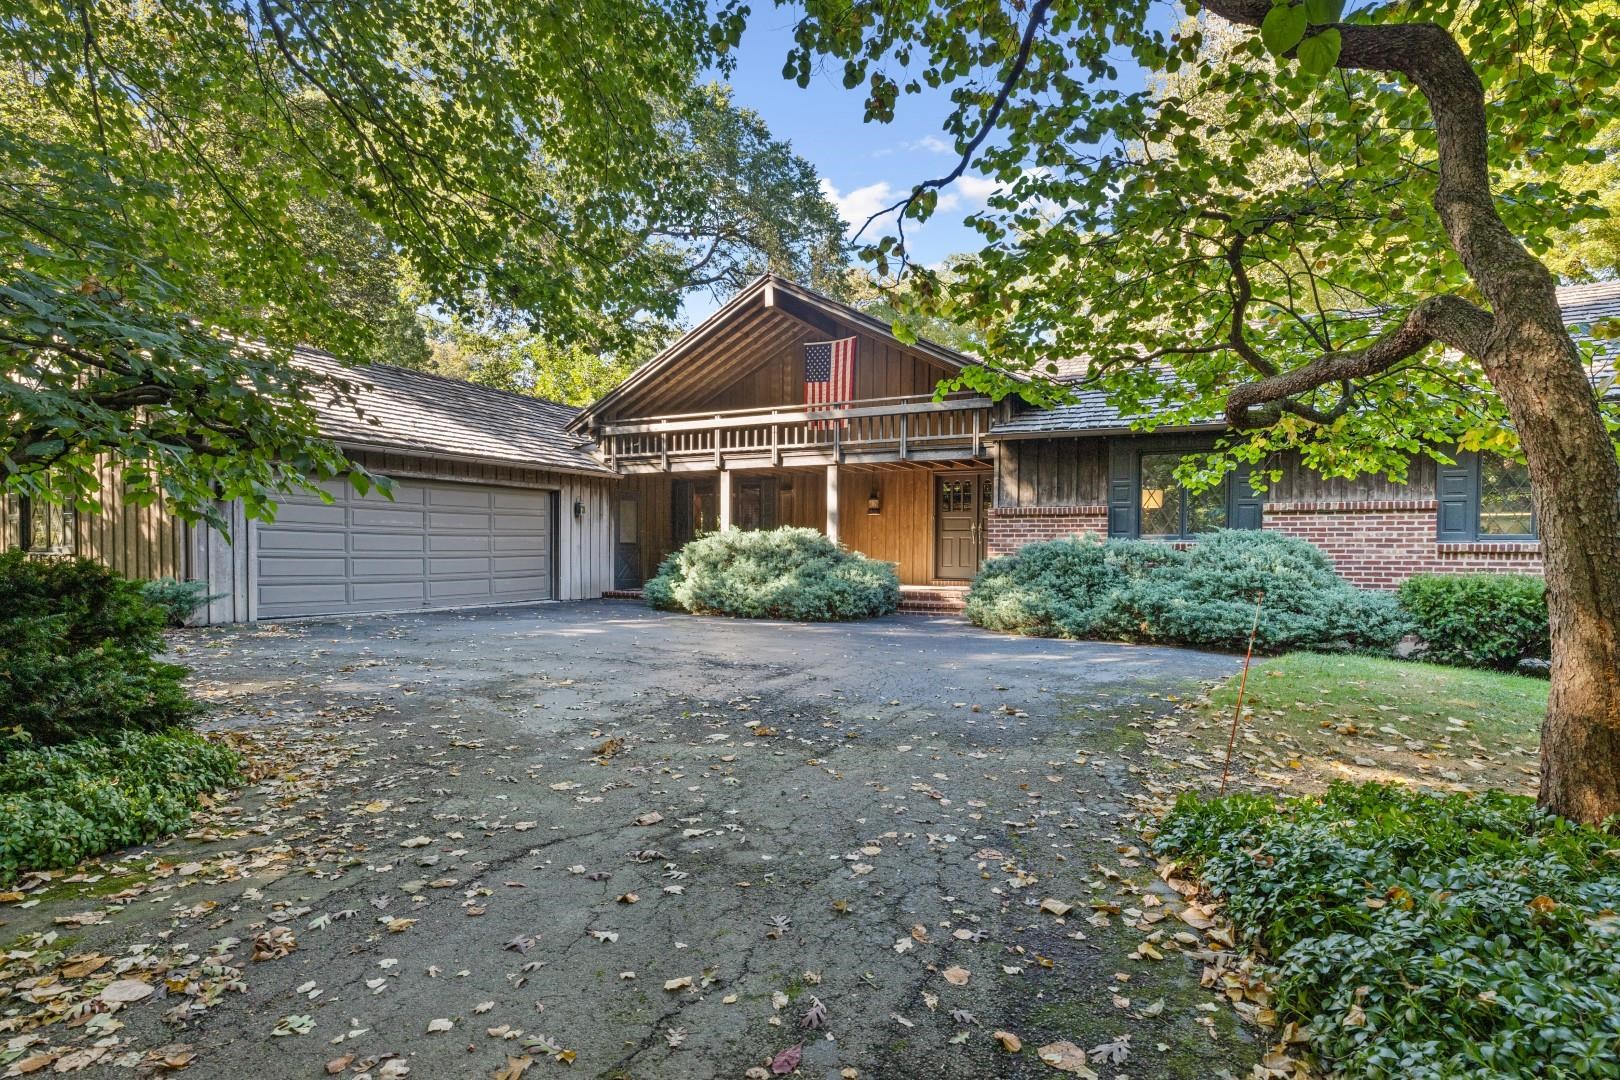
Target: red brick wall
x,y
1375,544
1011,527
1379,544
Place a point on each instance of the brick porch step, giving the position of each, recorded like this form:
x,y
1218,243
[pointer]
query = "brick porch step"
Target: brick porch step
x,y
932,599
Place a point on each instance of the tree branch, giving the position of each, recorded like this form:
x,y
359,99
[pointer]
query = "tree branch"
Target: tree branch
x,y
1037,16
1450,320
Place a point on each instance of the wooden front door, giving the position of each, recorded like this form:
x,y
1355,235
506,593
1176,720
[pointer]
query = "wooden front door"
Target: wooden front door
x,y
961,504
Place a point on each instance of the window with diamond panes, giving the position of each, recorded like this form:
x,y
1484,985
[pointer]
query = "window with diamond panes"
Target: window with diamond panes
x,y
1169,511
1505,506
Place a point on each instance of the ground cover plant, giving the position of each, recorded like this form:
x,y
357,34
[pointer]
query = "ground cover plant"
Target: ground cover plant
x,y
65,803
1128,590
785,573
1479,620
1421,936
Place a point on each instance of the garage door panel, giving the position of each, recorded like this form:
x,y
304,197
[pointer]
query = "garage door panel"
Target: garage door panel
x,y
293,541
436,544
385,517
522,564
530,525
305,569
510,586
459,567
295,595
460,590
386,595
400,543
465,495
377,566
448,521
306,513
518,545
456,543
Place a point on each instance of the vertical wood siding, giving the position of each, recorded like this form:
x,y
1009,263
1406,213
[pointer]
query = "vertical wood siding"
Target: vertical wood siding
x,y
903,532
141,542
777,377
1051,472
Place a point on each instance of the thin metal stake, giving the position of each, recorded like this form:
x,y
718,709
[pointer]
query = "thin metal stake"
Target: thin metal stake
x,y
1237,711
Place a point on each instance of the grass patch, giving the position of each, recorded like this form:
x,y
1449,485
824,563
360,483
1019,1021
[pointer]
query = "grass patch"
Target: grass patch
x,y
1421,936
1312,718
65,803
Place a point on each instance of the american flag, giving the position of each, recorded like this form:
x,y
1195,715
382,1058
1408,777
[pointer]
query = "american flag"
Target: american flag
x,y
829,372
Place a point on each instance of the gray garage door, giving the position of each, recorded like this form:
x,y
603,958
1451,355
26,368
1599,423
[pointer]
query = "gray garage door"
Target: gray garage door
x,y
436,545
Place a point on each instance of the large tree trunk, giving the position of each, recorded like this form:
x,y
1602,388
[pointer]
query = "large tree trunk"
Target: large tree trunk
x,y
1573,472
1530,360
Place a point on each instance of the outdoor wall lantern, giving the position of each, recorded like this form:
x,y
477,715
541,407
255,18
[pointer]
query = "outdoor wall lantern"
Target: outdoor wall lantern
x,y
579,509
874,505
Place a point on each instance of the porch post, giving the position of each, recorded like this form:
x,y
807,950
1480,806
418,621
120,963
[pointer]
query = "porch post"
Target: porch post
x,y
725,500
832,502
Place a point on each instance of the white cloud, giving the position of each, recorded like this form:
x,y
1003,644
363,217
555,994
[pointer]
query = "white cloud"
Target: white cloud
x,y
861,203
933,144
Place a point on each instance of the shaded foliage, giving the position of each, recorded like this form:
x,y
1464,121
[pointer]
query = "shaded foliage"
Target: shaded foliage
x,y
81,654
1479,620
1420,936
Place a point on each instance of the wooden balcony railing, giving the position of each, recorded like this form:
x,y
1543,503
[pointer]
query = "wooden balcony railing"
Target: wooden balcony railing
x,y
917,428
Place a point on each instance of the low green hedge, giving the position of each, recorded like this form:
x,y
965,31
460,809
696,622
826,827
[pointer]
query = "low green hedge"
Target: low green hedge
x,y
1132,590
81,653
1479,620
783,573
61,804
1421,937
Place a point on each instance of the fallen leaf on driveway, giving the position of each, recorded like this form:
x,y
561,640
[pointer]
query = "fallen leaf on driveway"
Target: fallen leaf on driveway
x,y
1009,1042
787,1060
1066,1057
441,1024
417,841
683,983
126,990
957,976
337,1065
652,817
514,1068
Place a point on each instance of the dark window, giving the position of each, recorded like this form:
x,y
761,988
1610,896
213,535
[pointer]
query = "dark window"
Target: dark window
x,y
44,528
1168,511
1485,497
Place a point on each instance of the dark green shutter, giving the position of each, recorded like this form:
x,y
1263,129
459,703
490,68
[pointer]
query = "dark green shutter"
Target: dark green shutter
x,y
1457,489
1244,505
1121,488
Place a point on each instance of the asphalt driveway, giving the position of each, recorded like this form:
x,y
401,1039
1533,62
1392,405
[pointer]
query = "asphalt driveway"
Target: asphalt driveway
x,y
648,845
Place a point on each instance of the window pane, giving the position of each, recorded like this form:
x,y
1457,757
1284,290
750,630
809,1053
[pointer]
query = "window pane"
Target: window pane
x,y
1505,508
1161,496
1206,510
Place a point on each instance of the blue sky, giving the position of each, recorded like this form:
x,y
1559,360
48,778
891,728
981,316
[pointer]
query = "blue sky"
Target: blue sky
x,y
863,166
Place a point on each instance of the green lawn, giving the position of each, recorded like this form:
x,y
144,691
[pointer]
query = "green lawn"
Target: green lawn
x,y
1312,717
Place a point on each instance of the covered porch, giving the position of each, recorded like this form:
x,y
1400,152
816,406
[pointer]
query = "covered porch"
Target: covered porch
x,y
928,518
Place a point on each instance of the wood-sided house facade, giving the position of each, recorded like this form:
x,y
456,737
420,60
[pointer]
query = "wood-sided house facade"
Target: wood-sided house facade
x,y
715,433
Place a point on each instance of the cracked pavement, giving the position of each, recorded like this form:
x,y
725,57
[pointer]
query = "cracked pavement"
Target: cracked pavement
x,y
835,813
